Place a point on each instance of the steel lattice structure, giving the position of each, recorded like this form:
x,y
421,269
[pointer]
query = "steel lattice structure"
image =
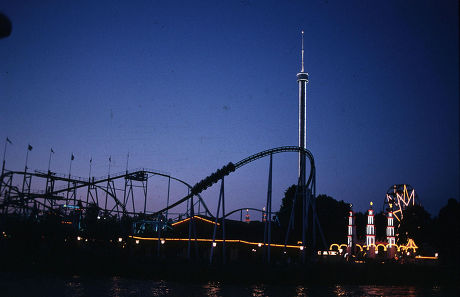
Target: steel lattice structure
x,y
114,195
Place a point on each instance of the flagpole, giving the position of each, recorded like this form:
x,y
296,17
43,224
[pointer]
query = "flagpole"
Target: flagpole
x,y
3,165
70,168
49,161
29,147
27,158
68,182
4,153
108,183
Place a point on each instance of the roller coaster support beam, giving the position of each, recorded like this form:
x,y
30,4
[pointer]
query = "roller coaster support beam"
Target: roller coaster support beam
x,y
167,199
190,216
268,218
305,206
192,229
221,200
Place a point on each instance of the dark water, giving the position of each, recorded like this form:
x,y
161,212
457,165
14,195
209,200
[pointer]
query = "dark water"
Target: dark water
x,y
22,284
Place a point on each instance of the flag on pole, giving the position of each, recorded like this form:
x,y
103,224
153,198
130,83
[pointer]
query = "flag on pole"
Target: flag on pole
x,y
52,150
29,147
8,140
72,157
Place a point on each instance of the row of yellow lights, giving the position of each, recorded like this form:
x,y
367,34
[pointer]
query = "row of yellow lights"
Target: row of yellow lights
x,y
259,244
427,257
195,217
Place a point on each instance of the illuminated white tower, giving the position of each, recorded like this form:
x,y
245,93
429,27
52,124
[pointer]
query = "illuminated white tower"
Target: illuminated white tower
x,y
370,233
391,249
351,231
302,79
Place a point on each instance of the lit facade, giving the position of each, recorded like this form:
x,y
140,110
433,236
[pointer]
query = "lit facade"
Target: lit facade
x,y
351,232
391,239
370,233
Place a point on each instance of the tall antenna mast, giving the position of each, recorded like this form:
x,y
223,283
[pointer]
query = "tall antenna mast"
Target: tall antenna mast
x,y
303,69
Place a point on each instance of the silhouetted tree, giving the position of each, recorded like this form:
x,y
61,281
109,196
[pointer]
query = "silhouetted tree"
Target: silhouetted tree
x,y
416,224
380,222
333,217
447,235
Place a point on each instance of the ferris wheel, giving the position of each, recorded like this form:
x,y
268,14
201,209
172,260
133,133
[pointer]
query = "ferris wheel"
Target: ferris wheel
x,y
398,198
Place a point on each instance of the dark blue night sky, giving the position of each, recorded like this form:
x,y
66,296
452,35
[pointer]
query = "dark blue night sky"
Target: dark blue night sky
x,y
186,87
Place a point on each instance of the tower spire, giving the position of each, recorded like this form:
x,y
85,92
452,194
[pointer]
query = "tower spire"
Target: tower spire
x,y
302,70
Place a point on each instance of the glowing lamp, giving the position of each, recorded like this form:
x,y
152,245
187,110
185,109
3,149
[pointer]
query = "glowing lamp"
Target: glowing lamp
x,y
120,239
436,255
162,241
259,244
301,247
78,238
214,244
137,241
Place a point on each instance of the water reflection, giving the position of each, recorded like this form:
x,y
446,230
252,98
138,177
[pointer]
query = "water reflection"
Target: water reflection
x,y
339,291
116,289
212,289
74,287
28,284
161,289
258,290
408,291
301,291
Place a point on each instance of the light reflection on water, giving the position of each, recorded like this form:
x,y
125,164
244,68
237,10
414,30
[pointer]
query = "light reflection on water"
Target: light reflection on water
x,y
15,284
212,289
258,291
301,291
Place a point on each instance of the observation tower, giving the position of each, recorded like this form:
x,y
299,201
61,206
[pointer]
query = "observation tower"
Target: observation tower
x,y
302,79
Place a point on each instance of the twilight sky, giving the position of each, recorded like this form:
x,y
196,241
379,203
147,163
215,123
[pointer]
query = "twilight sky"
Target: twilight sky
x,y
186,87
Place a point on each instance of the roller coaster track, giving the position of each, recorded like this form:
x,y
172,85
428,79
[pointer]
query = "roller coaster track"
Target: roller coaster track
x,y
78,183
255,157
